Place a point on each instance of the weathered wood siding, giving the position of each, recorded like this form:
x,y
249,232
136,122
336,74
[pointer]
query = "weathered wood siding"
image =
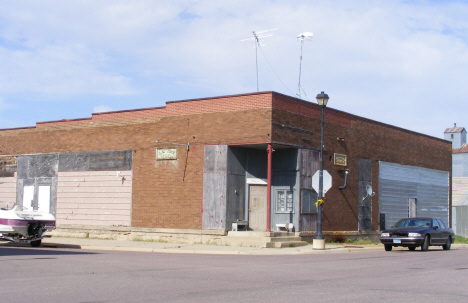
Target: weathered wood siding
x,y
94,198
309,164
214,187
364,201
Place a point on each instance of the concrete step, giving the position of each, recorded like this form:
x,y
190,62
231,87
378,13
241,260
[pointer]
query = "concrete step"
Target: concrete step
x,y
285,239
251,234
255,234
262,239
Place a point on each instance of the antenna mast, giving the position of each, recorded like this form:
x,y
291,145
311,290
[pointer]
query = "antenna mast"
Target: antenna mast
x,y
302,37
256,38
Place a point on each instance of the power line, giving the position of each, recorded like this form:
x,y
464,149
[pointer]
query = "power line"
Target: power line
x,y
275,72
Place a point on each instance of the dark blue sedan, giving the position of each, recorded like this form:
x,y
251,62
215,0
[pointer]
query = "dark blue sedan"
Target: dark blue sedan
x,y
415,232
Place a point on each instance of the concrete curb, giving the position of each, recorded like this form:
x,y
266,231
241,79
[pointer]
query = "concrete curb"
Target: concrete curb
x,y
180,248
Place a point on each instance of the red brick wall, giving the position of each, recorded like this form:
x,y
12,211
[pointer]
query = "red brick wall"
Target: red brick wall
x,y
161,198
176,108
363,139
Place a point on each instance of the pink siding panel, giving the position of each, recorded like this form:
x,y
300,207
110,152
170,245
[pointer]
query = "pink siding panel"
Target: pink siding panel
x,y
94,198
7,190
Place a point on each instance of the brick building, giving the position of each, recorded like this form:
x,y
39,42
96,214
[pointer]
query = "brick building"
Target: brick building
x,y
201,164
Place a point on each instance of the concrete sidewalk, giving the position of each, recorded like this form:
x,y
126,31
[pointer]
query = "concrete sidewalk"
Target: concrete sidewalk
x,y
162,247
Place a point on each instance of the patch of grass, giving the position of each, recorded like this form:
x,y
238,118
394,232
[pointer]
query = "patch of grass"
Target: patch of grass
x,y
364,241
292,245
216,243
139,238
460,239
86,235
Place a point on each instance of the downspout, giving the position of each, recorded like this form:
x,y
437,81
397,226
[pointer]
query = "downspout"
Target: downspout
x,y
345,179
270,151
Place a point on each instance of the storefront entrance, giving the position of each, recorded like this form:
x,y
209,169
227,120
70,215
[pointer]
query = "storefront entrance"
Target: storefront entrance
x,y
257,207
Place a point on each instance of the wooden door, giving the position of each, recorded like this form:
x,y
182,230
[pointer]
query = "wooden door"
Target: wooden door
x,y
257,207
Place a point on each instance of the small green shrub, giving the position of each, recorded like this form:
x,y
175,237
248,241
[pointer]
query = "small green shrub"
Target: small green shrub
x,y
460,239
360,241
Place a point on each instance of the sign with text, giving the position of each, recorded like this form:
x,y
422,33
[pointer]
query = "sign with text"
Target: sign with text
x,y
340,159
166,154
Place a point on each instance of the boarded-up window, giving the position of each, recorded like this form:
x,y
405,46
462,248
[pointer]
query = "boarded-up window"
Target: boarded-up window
x,y
309,198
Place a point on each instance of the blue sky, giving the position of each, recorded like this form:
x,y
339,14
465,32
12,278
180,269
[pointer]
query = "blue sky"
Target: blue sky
x,y
404,63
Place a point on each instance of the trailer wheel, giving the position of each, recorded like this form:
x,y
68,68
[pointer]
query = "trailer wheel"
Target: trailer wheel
x,y
36,243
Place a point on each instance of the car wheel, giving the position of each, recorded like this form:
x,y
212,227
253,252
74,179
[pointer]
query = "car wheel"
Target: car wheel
x,y
425,245
412,248
388,248
448,244
35,243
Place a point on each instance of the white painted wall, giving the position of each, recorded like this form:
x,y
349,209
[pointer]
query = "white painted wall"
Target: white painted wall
x,y
94,198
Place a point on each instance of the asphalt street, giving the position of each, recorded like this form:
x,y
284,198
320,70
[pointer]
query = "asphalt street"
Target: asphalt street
x,y
72,275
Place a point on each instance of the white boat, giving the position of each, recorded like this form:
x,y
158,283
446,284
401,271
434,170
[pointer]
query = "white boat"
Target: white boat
x,y
20,225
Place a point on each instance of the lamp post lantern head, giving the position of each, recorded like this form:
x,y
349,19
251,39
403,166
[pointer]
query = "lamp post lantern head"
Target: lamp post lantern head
x,y
322,99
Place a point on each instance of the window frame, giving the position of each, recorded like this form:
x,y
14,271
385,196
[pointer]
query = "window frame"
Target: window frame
x,y
313,196
285,190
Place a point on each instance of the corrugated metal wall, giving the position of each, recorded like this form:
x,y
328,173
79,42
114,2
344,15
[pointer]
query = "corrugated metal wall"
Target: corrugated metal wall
x,y
398,183
460,205
460,165
459,191
461,219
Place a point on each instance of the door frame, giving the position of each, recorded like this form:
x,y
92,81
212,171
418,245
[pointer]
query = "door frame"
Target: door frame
x,y
261,228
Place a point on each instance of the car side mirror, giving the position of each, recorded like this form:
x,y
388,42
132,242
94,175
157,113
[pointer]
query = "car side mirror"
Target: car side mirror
x,y
435,227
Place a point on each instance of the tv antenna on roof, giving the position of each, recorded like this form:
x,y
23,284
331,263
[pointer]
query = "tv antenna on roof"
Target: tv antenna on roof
x,y
302,37
256,37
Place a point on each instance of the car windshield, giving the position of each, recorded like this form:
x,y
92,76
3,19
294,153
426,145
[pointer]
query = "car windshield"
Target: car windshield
x,y
413,223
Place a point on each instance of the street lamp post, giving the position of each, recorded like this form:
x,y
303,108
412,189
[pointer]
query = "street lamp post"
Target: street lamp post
x,y
319,239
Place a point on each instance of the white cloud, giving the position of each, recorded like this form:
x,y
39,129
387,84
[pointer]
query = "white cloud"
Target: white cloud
x,y
392,61
102,109
58,70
